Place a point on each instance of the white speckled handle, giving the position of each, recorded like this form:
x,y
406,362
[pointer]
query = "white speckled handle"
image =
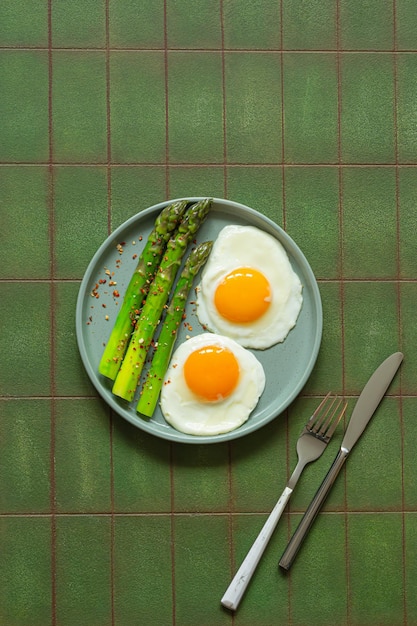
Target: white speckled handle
x,y
244,574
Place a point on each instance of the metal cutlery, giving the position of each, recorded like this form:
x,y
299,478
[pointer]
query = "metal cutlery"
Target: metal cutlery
x,y
310,446
368,401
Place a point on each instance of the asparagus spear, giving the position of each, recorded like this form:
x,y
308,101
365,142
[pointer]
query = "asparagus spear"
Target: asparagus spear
x,y
131,368
166,340
165,224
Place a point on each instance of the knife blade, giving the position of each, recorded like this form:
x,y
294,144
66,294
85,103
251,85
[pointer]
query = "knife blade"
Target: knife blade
x,y
365,407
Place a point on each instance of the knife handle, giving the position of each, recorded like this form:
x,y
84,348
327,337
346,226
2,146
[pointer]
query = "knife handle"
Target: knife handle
x,y
237,587
310,515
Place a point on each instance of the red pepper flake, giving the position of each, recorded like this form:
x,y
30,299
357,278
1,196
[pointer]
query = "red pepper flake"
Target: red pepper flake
x,y
102,281
107,272
112,283
135,256
104,305
106,318
116,294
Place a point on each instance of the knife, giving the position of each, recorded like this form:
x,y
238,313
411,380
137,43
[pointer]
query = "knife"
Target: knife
x,y
365,407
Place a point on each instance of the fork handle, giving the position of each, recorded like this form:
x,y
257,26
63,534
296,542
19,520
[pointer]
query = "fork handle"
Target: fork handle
x,y
310,515
237,587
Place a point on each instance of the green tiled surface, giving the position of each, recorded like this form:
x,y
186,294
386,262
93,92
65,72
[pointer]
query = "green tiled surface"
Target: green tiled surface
x,y
306,112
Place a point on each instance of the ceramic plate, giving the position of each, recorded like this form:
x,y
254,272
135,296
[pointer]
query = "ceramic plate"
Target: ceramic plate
x,y
287,365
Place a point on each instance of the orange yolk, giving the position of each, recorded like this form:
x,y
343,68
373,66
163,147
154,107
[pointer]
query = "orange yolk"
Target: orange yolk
x,y
212,372
243,296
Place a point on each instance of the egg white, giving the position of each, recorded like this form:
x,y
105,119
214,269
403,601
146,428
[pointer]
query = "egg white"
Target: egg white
x,y
188,413
247,246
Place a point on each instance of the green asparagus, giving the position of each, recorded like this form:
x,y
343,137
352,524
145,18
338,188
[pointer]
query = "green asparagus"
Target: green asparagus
x,y
166,340
131,368
165,224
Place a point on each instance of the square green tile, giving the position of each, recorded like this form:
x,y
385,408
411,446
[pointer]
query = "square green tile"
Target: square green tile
x,y
406,24
376,592
83,570
259,468
411,566
71,378
192,181
369,223
366,24
82,456
195,107
80,202
407,186
24,23
79,23
201,569
135,188
201,478
319,577
369,486
25,575
253,107
408,299
312,216
193,26
299,412
406,112
141,470
252,24
25,455
268,592
309,25
137,95
327,374
79,118
143,570
409,406
370,330
24,76
25,339
367,112
310,108
136,26
25,222
257,187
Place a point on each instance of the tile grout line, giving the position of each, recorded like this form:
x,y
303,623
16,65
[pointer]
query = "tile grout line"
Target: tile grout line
x,y
52,226
232,563
171,445
277,51
399,311
284,199
166,165
225,163
146,164
281,60
342,285
109,229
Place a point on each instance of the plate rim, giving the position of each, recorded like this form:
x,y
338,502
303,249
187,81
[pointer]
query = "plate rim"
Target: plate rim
x,y
171,434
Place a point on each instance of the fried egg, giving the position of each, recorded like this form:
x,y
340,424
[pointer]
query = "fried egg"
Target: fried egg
x,y
211,386
249,290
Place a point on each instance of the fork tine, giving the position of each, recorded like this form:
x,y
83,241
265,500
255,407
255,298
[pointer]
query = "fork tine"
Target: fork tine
x,y
323,423
334,422
319,415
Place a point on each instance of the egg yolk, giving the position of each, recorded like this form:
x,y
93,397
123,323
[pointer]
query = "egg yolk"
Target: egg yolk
x,y
243,295
212,372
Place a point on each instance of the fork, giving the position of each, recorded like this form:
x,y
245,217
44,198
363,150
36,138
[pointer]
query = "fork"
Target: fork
x,y
310,446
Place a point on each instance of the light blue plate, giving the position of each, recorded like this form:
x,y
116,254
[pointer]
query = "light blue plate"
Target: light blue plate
x,y
287,365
